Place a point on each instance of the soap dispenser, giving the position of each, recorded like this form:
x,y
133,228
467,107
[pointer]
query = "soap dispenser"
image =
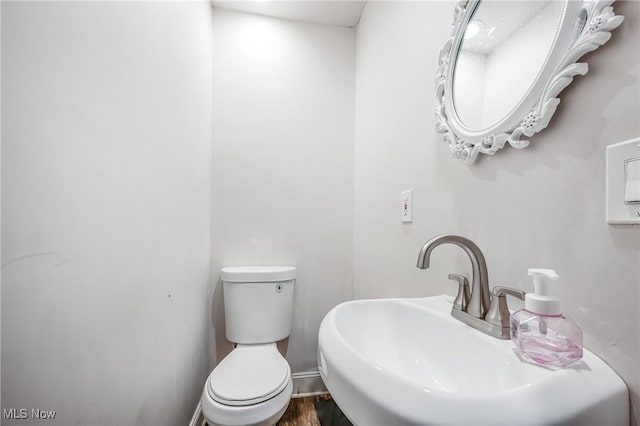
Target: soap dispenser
x,y
540,331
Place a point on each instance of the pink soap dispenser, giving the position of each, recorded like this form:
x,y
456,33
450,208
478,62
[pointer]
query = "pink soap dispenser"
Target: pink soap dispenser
x,y
540,331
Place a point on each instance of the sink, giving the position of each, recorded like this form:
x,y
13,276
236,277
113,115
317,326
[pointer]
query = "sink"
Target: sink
x,y
408,362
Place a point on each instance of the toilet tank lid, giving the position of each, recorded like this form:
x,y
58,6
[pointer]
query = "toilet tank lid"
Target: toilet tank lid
x,y
257,274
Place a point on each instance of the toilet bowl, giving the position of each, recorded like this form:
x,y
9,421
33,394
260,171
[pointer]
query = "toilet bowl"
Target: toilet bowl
x,y
252,385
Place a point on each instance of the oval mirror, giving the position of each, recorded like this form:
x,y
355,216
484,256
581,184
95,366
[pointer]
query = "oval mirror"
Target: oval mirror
x,y
505,63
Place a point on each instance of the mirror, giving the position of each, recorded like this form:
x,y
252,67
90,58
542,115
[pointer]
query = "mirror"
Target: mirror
x,y
492,71
504,64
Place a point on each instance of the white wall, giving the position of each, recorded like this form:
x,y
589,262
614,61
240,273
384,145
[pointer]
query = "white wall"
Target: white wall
x,y
543,206
106,209
283,114
396,59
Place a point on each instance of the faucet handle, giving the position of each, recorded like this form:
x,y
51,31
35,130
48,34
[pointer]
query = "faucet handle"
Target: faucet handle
x,y
498,313
462,299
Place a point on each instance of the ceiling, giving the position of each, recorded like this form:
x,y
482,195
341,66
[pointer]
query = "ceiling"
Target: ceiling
x,y
342,13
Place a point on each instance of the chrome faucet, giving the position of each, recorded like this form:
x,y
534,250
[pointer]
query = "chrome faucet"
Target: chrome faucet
x,y
475,308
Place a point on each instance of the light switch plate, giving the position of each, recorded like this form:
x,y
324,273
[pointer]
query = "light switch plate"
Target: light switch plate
x,y
620,157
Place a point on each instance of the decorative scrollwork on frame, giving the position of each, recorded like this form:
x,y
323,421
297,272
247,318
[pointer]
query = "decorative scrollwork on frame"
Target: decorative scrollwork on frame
x,y
599,21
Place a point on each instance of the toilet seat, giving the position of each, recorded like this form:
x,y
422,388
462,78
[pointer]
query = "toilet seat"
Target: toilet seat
x,y
250,374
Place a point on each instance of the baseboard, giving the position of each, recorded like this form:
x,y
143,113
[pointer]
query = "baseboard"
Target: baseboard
x,y
308,383
197,419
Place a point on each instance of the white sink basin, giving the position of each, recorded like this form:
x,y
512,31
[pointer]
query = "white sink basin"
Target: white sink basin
x,y
408,362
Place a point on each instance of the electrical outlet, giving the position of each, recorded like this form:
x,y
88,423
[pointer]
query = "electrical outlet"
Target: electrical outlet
x,y
406,206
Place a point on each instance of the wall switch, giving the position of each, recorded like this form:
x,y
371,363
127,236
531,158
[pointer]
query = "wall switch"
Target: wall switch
x,y
632,180
623,182
406,206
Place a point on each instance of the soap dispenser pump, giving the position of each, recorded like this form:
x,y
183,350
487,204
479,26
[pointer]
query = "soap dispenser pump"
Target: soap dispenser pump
x,y
540,331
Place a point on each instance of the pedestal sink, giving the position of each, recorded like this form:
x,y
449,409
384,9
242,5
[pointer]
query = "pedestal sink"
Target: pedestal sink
x,y
408,362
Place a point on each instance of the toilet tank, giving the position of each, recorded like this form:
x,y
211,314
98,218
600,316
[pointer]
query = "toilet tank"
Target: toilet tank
x,y
258,302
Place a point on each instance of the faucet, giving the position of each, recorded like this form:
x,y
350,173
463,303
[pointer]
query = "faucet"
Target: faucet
x,y
478,304
475,308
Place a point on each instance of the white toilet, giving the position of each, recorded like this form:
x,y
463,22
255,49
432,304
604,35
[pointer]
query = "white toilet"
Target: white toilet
x,y
252,385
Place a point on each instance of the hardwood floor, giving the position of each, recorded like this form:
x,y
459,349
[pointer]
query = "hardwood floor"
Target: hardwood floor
x,y
302,411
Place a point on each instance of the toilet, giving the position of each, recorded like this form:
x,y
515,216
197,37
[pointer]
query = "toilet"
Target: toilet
x,y
252,385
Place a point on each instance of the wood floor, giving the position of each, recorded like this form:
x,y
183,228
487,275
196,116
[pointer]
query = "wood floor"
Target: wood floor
x,y
302,411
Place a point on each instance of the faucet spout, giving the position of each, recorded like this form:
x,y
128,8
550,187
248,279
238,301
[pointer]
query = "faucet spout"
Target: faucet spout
x,y
480,298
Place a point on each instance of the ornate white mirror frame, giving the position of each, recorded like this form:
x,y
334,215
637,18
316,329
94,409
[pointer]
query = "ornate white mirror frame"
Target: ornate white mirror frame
x,y
583,27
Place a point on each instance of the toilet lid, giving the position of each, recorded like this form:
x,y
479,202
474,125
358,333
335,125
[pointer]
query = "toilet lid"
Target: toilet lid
x,y
248,375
